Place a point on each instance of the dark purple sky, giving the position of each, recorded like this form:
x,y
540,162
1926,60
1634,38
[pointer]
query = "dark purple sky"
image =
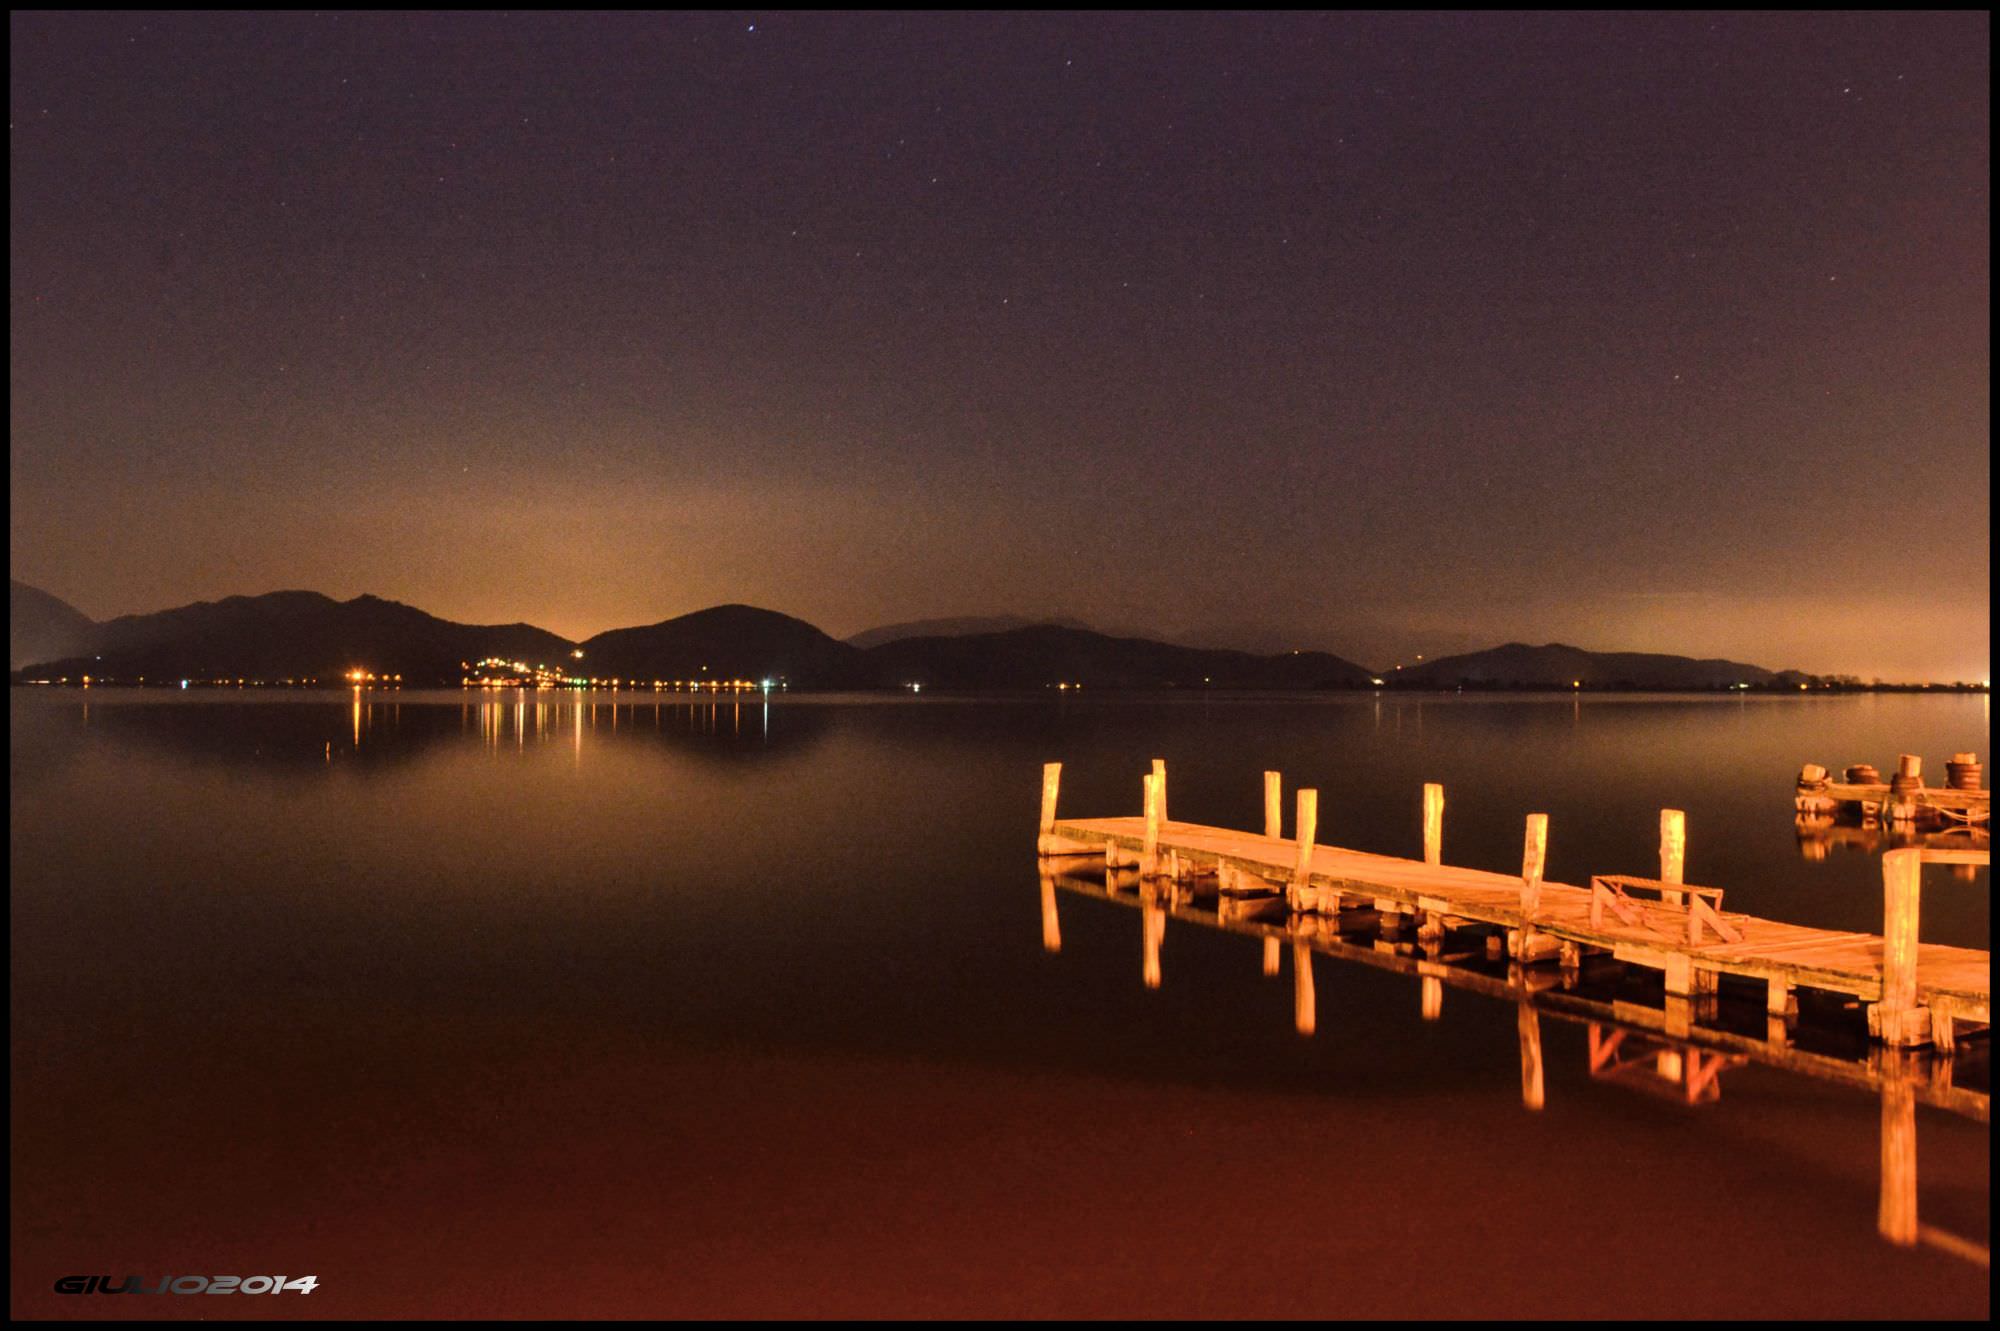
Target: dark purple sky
x,y
1388,334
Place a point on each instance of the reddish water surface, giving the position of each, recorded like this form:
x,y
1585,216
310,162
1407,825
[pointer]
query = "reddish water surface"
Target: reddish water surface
x,y
486,1009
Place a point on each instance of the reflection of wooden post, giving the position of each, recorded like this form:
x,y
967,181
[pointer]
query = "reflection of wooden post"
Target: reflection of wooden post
x,y
1153,929
1274,811
1896,1019
1433,997
1149,851
1303,1009
1896,1216
1160,786
1308,829
1271,956
1051,928
1673,851
1530,1023
1433,823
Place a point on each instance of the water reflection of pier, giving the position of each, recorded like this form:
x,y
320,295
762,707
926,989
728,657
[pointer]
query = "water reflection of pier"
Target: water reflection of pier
x,y
1821,835
1677,1051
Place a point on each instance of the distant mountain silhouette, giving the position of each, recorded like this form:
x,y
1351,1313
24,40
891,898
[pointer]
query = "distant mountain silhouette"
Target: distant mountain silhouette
x,y
726,642
1035,657
300,635
41,627
953,628
1558,666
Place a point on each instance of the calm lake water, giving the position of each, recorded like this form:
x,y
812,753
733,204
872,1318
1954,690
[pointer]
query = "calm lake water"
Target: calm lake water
x,y
619,1006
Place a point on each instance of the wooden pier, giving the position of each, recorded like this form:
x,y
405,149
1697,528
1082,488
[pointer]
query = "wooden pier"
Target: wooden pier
x,y
1916,993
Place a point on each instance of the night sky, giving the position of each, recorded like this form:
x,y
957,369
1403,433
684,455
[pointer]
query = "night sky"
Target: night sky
x,y
1382,334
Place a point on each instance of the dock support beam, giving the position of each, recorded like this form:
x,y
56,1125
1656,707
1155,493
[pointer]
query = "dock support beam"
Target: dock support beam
x,y
1433,823
1274,809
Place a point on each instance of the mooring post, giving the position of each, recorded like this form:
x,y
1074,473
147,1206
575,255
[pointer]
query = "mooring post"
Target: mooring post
x,y
1673,853
1308,828
1274,813
1160,786
1534,855
1896,1018
1433,823
1904,788
1525,944
1304,1011
1149,850
1051,928
1051,783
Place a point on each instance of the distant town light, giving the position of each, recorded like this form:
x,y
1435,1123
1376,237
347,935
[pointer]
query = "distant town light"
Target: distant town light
x,y
578,653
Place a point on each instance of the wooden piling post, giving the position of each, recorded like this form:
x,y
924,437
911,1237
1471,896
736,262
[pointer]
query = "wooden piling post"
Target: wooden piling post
x,y
1673,852
1308,828
1274,809
1304,1009
1149,850
1160,786
1433,823
1047,843
1897,1019
1534,855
